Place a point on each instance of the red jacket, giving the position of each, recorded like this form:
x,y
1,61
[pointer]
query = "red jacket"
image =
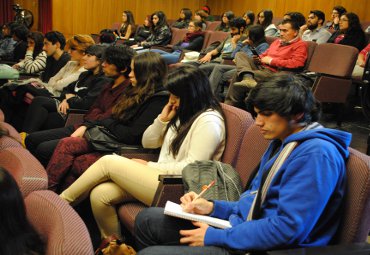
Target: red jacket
x,y
290,56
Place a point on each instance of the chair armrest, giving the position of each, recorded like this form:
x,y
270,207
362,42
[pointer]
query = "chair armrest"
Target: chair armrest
x,y
78,111
170,188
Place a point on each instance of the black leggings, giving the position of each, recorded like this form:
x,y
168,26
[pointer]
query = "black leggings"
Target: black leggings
x,y
42,114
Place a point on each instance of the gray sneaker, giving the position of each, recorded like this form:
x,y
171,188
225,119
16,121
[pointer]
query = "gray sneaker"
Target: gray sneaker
x,y
246,82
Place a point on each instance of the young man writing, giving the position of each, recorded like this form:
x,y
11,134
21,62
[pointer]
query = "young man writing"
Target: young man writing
x,y
292,205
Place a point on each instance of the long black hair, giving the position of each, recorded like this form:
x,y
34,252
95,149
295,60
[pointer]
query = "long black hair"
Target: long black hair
x,y
38,38
17,236
268,18
192,86
162,20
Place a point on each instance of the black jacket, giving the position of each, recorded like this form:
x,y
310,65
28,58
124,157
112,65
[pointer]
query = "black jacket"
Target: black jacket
x,y
87,88
355,38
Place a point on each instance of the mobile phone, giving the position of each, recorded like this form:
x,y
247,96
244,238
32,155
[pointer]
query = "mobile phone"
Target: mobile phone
x,y
255,52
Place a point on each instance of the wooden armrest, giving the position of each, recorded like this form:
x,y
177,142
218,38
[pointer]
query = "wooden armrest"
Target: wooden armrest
x,y
170,179
79,111
169,188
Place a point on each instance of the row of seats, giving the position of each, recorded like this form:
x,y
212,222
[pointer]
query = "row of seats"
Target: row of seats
x,y
54,219
244,148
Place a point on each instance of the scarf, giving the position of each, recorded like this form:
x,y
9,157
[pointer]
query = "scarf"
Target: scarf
x,y
191,36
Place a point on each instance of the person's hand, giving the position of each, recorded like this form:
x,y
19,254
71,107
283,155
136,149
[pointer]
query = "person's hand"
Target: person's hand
x,y
134,46
266,60
247,41
235,38
68,96
336,20
206,58
199,206
303,28
16,66
141,161
31,46
256,60
194,237
79,132
168,112
63,107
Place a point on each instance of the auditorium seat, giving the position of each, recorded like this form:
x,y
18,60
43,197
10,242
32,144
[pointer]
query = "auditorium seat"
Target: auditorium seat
x,y
237,123
58,224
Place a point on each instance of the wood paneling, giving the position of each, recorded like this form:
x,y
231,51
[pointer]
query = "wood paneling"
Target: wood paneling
x,y
90,16
279,7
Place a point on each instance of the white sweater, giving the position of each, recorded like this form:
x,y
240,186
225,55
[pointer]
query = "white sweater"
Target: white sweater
x,y
64,77
205,140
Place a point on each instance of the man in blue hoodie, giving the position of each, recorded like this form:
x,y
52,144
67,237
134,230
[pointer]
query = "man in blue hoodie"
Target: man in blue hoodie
x,y
293,199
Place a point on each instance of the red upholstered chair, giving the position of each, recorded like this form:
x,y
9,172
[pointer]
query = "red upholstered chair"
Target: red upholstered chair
x,y
11,140
58,224
26,169
237,122
356,216
334,63
2,117
212,25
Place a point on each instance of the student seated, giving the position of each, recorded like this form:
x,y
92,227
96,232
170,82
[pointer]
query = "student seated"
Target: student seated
x,y
160,32
333,25
350,32
7,43
20,33
190,127
47,112
128,27
116,65
226,17
293,204
193,41
35,59
184,19
138,106
264,18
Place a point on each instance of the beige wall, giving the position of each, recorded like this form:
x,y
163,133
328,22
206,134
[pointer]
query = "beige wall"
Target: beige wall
x,y
279,7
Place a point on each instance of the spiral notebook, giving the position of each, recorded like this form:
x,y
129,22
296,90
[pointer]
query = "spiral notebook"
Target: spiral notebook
x,y
175,210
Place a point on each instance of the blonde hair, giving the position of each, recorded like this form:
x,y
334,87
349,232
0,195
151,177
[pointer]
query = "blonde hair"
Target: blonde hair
x,y
79,42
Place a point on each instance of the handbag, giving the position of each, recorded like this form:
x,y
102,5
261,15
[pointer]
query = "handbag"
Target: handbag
x,y
114,246
101,139
228,184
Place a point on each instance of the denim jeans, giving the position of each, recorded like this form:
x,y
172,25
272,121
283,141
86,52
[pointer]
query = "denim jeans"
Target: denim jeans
x,y
157,233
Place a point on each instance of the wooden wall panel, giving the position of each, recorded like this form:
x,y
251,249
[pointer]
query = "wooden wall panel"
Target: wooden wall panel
x,y
279,7
90,16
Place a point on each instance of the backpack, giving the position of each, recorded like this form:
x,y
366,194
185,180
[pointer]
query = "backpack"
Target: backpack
x,y
228,184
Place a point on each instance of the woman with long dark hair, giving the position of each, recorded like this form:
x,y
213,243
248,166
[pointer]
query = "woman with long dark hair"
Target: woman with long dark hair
x,y
35,59
184,19
225,19
136,109
17,235
350,32
264,18
128,27
160,32
191,127
249,18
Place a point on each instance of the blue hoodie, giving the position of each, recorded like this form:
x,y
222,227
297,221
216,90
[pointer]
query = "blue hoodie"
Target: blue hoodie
x,y
303,202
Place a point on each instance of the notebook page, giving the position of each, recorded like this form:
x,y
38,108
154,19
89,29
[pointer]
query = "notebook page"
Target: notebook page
x,y
175,210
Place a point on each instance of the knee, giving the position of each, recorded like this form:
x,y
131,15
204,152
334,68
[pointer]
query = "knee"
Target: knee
x,y
148,217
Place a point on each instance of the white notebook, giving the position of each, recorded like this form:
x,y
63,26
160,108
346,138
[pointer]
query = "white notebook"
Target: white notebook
x,y
175,210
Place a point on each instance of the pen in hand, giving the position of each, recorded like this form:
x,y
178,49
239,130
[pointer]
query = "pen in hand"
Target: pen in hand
x,y
204,190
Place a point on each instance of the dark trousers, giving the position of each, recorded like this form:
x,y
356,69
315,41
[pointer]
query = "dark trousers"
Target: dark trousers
x,y
42,114
158,234
42,144
236,95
